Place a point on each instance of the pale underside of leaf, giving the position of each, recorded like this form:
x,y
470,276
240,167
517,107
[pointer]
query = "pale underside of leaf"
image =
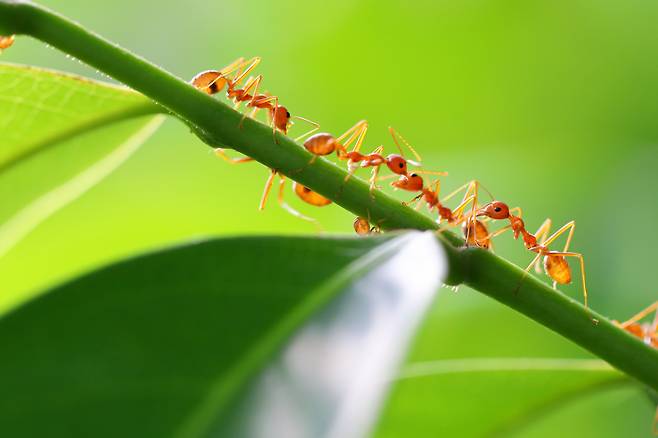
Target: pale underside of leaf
x,y
330,378
29,217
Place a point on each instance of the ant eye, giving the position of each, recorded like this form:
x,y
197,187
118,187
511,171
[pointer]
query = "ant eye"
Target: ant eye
x,y
287,114
497,209
401,165
413,175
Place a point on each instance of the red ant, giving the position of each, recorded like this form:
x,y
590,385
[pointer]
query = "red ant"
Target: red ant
x,y
555,263
325,144
362,226
305,194
648,332
213,81
396,163
415,183
476,232
6,41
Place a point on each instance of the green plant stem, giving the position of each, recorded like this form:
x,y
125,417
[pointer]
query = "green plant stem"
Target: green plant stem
x,y
219,125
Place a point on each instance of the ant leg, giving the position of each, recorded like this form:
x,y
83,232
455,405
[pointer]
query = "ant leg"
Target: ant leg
x,y
373,181
244,71
397,135
568,226
541,234
462,205
262,102
233,66
640,315
355,133
582,267
316,126
387,177
267,189
413,201
212,87
430,172
221,154
252,114
473,191
543,230
517,210
251,83
499,232
375,169
289,209
469,218
460,189
526,271
437,186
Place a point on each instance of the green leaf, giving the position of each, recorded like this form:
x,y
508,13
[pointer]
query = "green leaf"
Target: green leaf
x,y
489,396
209,338
54,147
41,108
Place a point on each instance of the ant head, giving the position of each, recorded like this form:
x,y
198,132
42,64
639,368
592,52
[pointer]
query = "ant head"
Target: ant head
x,y
397,164
361,225
495,210
281,118
412,183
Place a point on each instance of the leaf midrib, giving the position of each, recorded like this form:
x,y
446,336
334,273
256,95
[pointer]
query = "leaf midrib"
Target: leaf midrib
x,y
201,417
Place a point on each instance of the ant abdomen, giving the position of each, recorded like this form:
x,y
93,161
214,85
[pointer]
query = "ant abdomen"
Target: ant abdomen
x,y
361,226
557,268
320,144
476,234
209,81
6,41
309,196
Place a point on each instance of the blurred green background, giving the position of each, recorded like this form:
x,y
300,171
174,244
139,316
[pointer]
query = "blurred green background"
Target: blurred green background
x,y
550,104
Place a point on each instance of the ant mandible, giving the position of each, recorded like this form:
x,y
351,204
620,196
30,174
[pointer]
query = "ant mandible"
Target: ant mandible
x,y
555,263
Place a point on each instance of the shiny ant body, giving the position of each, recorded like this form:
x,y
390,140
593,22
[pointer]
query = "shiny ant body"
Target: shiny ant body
x,y
555,262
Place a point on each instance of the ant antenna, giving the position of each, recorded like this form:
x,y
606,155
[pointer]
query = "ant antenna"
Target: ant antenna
x,y
397,135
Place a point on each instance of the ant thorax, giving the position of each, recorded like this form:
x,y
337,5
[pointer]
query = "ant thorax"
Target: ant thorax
x,y
518,226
